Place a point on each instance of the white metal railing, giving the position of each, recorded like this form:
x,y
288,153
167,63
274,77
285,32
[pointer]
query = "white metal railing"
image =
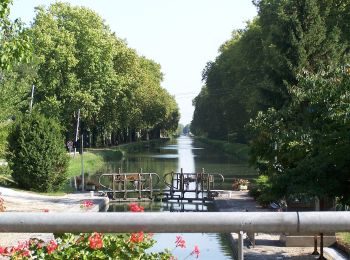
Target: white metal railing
x,y
191,222
166,222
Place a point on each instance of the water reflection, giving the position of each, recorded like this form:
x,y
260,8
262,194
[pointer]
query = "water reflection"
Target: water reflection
x,y
186,156
212,246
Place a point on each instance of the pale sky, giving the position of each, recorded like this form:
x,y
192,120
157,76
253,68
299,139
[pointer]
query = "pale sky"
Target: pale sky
x,y
181,35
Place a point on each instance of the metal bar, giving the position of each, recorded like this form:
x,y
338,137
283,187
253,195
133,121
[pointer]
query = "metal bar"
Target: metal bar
x,y
321,247
182,184
197,186
202,182
139,184
113,185
77,131
82,163
125,187
151,185
166,222
315,252
240,246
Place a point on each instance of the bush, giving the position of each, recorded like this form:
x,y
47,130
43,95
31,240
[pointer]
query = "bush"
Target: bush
x,y
36,153
262,192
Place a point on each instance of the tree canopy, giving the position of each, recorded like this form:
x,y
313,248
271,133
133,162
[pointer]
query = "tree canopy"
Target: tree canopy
x,y
286,74
82,64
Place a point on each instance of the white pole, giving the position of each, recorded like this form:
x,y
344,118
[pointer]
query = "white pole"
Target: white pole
x,y
77,131
31,99
240,246
82,163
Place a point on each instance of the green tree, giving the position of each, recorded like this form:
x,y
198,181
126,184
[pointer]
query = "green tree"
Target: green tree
x,y
14,77
14,42
36,153
83,65
302,147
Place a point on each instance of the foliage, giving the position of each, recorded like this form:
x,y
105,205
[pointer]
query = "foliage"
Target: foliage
x,y
87,246
288,69
344,239
236,150
304,145
83,65
261,190
36,153
92,163
5,176
95,245
236,183
256,67
15,43
15,50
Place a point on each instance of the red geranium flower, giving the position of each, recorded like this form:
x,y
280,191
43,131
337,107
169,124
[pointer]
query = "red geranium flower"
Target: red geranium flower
x,y
95,241
52,246
137,237
136,208
86,204
180,242
196,251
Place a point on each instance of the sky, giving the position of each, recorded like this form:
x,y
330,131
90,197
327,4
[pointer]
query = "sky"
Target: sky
x,y
180,35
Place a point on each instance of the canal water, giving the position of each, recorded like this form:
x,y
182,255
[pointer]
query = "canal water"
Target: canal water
x,y
192,157
188,154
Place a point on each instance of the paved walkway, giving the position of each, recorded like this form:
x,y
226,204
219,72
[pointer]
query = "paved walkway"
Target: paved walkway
x,y
30,202
267,246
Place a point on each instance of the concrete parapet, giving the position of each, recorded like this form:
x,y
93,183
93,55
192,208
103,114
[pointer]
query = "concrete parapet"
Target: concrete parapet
x,y
291,240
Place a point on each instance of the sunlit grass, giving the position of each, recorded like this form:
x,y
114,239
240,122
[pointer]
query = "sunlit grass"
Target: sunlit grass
x,y
344,238
92,163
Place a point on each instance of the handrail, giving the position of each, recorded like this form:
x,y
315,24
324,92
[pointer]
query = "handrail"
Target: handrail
x,y
148,174
165,222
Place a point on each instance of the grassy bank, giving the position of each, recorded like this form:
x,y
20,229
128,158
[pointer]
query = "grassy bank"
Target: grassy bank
x,y
92,163
240,151
343,243
94,159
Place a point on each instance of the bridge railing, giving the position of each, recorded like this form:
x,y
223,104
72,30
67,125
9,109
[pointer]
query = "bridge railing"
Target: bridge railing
x,y
165,222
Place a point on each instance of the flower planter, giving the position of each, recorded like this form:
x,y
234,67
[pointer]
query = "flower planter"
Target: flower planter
x,y
243,187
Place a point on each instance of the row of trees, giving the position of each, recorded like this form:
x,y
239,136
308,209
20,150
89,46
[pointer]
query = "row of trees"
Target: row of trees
x,y
77,62
282,84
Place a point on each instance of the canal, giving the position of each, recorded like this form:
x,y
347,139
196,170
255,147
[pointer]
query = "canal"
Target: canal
x,y
192,157
186,153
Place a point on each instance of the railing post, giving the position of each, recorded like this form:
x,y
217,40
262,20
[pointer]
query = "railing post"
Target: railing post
x,y
125,187
182,184
197,184
240,246
151,185
321,247
315,252
139,185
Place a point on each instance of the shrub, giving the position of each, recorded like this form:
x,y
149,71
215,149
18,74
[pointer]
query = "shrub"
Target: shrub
x,y
36,153
262,192
5,176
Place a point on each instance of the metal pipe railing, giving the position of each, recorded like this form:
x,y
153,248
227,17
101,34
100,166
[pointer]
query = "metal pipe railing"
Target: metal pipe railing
x,y
165,222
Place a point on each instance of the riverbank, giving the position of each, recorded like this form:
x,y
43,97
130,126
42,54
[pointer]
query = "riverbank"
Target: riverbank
x,y
237,150
96,158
